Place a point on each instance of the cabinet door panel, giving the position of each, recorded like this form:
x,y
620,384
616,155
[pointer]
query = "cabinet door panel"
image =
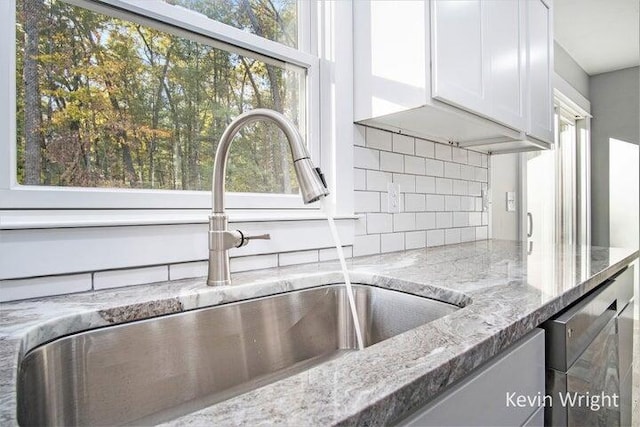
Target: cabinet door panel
x,y
504,40
539,70
458,74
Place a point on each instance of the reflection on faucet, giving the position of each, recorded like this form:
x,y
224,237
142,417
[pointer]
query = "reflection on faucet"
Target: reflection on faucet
x,y
310,179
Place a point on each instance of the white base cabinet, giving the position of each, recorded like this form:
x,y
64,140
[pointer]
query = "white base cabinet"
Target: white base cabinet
x,y
482,398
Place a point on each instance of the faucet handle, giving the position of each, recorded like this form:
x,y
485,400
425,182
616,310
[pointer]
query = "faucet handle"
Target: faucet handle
x,y
244,240
259,237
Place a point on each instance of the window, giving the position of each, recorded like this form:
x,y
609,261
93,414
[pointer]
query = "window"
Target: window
x,y
274,20
558,183
135,95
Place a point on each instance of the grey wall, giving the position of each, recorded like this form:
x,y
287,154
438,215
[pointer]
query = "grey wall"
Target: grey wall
x,y
504,177
569,70
615,106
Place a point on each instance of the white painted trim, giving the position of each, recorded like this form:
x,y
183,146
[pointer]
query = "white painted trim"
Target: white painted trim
x,y
569,96
7,95
200,24
40,219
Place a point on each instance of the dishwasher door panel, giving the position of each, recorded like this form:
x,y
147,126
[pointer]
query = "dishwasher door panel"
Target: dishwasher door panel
x,y
592,376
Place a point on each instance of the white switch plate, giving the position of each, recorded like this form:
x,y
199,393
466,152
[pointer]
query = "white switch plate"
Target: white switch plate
x,y
393,197
511,201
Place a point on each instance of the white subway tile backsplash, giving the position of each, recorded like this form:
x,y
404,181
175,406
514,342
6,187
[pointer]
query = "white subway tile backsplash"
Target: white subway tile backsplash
x,y
329,254
467,203
424,148
366,245
407,182
425,184
414,202
366,201
378,139
405,221
359,179
443,152
379,223
459,155
434,202
391,162
485,218
475,188
451,170
366,158
359,135
435,238
481,233
188,270
392,242
451,203
128,277
478,203
294,258
460,219
377,181
360,226
253,262
16,289
440,188
467,172
444,220
481,174
474,158
475,218
415,239
452,236
425,220
460,187
444,186
467,234
434,167
402,144
414,165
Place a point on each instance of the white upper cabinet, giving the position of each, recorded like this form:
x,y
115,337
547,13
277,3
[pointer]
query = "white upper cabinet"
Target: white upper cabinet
x,y
539,70
459,69
477,57
463,71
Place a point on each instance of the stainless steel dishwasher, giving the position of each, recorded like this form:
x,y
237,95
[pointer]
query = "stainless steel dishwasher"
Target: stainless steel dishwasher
x,y
589,357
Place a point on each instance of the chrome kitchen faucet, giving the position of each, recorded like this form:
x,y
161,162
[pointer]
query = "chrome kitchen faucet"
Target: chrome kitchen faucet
x,y
310,179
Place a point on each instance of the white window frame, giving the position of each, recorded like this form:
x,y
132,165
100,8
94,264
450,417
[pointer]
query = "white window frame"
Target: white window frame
x,y
16,196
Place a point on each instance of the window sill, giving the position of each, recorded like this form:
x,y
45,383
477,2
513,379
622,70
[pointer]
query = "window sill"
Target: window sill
x,y
48,219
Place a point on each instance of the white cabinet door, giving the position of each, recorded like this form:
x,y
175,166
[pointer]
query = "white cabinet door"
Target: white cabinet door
x,y
477,57
458,74
539,52
504,47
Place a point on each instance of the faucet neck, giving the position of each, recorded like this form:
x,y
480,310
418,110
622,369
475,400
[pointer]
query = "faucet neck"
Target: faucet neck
x,y
296,144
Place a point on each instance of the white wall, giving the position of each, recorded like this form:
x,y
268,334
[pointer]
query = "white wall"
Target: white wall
x,y
615,106
570,70
504,177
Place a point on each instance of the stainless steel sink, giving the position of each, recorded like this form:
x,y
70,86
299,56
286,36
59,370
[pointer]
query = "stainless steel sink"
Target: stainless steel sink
x,y
152,370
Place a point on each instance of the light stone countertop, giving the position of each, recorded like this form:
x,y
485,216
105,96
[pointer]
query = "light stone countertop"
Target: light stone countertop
x,y
502,292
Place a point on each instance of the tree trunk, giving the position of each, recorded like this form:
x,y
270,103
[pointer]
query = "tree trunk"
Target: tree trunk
x,y
277,104
32,121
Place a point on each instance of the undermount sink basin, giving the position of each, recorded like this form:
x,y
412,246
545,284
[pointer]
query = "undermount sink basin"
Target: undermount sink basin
x,y
157,369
